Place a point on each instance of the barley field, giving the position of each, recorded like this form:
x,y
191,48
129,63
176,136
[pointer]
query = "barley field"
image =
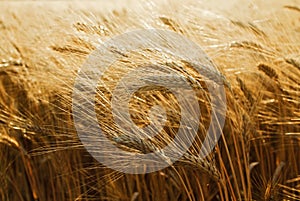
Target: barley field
x,y
254,45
